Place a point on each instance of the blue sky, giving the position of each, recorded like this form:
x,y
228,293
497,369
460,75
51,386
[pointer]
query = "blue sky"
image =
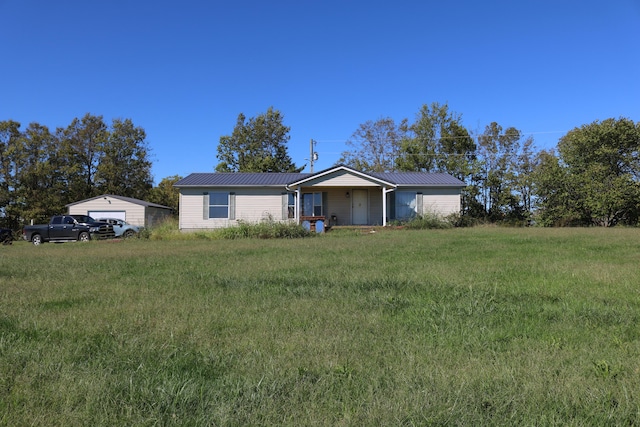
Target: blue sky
x,y
184,70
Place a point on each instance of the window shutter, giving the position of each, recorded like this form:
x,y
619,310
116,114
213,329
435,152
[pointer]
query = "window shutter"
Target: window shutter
x,y
232,205
419,204
392,205
205,204
285,205
325,203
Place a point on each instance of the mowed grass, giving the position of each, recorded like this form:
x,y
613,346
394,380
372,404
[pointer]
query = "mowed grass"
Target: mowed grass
x,y
482,326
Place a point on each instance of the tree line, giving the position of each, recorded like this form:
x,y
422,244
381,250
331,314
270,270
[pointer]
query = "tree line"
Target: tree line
x,y
590,178
41,171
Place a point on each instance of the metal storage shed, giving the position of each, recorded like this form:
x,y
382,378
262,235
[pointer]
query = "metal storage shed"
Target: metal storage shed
x,y
134,211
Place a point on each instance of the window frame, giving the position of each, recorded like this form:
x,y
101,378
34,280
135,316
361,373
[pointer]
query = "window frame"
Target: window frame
x,y
316,196
409,206
218,205
291,205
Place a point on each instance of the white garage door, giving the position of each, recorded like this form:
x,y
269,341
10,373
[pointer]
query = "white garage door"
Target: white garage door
x,y
108,214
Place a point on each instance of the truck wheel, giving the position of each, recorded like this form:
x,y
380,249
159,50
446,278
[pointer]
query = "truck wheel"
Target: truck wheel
x,y
83,237
129,233
36,239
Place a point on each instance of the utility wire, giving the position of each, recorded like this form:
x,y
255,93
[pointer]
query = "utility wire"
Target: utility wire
x,y
453,137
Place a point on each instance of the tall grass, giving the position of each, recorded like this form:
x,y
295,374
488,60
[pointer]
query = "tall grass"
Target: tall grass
x,y
459,327
430,221
267,229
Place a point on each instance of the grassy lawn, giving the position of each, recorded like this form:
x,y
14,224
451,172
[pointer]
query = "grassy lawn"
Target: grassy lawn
x,y
481,326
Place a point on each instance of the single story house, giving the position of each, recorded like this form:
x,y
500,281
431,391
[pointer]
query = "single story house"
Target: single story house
x,y
134,211
339,195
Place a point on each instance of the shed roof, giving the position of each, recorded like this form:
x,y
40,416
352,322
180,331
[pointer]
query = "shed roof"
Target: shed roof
x,y
125,199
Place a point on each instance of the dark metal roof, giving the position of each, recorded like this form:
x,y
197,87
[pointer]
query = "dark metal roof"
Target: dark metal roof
x,y
420,178
254,179
239,179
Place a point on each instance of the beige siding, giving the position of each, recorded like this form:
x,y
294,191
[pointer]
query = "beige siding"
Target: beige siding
x,y
340,179
252,205
375,207
134,212
441,201
259,204
338,205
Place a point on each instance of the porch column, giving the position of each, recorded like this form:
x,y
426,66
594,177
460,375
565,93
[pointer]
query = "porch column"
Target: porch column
x,y
385,191
297,208
384,206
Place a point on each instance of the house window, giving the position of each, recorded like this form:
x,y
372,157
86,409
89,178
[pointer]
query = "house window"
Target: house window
x,y
218,205
312,204
405,205
291,205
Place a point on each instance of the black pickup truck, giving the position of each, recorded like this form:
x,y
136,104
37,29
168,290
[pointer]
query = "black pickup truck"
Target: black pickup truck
x,y
68,228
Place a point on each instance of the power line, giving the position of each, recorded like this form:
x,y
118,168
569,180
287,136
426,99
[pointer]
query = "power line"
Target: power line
x,y
471,136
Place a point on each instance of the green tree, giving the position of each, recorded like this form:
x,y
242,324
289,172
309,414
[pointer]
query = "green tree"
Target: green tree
x,y
9,137
524,167
166,194
258,144
41,172
600,162
82,143
612,143
607,199
123,165
40,185
557,201
507,159
438,142
374,145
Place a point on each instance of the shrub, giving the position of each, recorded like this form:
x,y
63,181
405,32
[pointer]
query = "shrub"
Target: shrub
x,y
166,229
268,229
459,220
428,221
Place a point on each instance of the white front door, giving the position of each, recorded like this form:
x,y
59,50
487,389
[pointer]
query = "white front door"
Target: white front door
x,y
359,207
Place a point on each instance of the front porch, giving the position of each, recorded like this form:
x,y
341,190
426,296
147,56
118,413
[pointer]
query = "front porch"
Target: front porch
x,y
350,197
343,206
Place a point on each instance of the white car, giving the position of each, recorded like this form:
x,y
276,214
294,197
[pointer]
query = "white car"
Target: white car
x,y
122,228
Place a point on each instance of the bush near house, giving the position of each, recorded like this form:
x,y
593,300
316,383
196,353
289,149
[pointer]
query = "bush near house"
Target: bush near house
x,y
429,221
268,229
